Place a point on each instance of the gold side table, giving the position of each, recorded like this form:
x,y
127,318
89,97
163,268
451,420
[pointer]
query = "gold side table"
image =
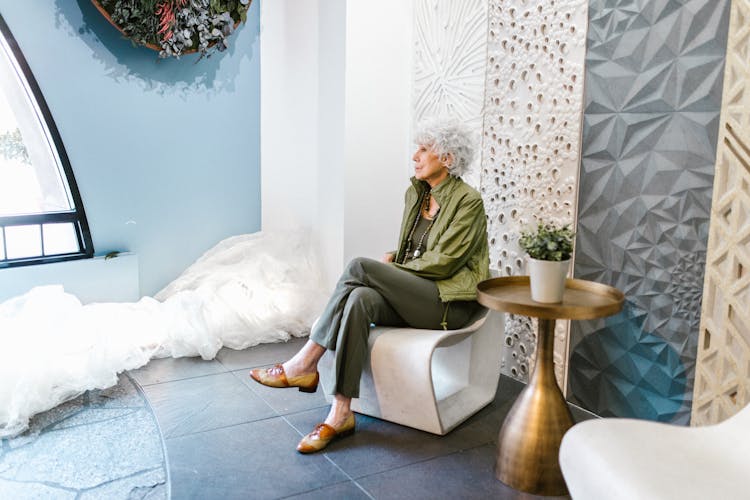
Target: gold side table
x,y
529,441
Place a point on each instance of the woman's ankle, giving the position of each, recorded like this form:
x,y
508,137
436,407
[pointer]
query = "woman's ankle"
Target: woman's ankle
x,y
337,420
339,412
293,368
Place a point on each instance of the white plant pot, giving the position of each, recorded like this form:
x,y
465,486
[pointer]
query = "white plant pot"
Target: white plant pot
x,y
547,279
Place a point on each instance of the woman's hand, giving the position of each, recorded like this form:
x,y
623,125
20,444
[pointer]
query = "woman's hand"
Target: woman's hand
x,y
387,257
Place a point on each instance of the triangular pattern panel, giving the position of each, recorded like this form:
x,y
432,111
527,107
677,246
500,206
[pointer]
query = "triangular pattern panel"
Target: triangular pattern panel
x,y
654,72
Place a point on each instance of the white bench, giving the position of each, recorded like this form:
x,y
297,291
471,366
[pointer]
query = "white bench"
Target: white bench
x,y
430,380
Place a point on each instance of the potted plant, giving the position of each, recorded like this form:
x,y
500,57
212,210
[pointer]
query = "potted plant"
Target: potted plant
x,y
549,248
176,27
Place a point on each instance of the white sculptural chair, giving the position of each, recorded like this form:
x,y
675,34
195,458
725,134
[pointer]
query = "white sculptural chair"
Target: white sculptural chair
x,y
615,458
430,380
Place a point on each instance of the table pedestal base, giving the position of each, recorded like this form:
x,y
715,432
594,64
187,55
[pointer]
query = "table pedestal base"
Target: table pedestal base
x,y
529,442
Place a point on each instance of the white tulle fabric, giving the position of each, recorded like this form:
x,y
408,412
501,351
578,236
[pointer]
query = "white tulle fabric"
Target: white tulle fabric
x,y
246,290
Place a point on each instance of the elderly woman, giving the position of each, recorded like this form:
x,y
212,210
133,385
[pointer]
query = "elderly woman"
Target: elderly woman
x,y
429,282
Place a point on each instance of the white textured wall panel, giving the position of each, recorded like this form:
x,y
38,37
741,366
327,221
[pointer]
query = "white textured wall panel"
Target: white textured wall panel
x,y
532,123
449,64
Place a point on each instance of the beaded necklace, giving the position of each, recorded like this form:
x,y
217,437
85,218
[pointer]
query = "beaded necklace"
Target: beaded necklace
x,y
424,205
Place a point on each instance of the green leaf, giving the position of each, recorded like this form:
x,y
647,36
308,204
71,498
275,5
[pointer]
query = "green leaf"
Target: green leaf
x,y
548,242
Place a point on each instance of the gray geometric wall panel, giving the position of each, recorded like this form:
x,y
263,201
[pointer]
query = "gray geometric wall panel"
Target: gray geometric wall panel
x,y
654,72
625,371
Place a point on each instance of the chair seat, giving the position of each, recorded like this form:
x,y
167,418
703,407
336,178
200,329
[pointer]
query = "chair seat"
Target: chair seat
x,y
617,458
429,379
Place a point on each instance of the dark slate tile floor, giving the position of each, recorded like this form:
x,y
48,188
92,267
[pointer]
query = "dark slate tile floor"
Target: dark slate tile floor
x,y
228,437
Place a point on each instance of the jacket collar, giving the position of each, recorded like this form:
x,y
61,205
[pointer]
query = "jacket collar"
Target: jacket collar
x,y
442,191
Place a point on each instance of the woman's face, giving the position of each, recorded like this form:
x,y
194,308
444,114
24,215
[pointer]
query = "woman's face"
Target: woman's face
x,y
428,166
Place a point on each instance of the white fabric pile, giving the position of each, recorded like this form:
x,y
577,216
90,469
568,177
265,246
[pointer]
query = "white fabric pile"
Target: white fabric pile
x,y
246,290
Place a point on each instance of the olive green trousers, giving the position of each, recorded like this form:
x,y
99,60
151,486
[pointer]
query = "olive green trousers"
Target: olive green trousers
x,y
372,292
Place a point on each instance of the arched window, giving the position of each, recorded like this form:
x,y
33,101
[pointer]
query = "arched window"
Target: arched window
x,y
41,214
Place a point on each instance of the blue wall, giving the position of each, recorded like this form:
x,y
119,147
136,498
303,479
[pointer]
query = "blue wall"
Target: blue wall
x,y
165,152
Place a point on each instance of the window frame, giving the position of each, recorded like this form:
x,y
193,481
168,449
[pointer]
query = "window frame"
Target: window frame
x,y
78,215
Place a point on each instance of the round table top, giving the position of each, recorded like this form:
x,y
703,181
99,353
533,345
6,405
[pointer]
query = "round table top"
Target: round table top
x,y
582,299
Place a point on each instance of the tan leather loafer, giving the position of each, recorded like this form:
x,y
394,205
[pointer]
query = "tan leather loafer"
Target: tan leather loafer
x,y
275,377
323,434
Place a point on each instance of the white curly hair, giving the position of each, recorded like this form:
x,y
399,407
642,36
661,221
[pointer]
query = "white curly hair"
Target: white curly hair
x,y
447,137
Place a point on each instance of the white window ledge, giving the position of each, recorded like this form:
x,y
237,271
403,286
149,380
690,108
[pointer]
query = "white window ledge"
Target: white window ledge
x,y
91,280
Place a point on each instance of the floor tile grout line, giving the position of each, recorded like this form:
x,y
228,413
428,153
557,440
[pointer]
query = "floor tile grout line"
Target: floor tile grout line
x,y
290,340
283,417
244,381
276,415
292,495
221,427
225,368
192,377
363,489
229,372
245,387
259,395
243,367
460,450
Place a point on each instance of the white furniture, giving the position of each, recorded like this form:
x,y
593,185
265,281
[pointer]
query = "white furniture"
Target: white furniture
x,y
626,459
429,379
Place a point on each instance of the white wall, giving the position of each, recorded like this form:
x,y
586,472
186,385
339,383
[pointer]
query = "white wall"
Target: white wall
x,y
331,136
289,112
378,122
335,122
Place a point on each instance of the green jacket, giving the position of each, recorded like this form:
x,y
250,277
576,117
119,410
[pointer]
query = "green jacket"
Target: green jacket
x,y
457,255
